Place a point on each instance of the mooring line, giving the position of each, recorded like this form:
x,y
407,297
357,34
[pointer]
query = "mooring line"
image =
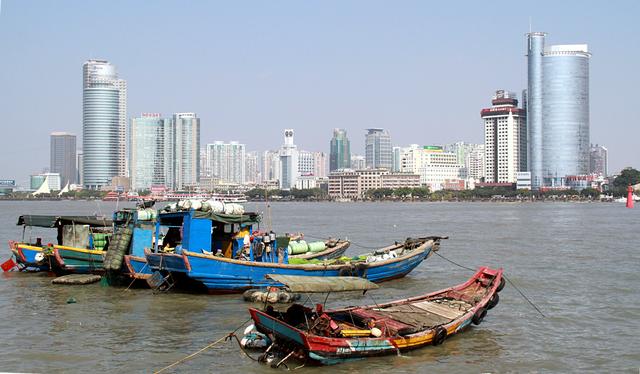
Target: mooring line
x,y
203,349
505,277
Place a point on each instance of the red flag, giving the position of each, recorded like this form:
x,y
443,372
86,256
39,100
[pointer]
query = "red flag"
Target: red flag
x,y
8,265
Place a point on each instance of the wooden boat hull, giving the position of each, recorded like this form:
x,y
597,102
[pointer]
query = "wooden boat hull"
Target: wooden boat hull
x,y
326,350
70,260
27,257
224,275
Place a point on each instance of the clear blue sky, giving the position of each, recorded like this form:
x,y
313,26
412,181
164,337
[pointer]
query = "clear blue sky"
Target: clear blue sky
x,y
422,70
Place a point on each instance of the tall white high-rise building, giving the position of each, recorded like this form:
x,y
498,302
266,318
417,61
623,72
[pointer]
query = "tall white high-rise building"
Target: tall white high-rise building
x,y
505,138
358,162
474,162
320,168
270,166
147,162
288,162
182,151
227,161
435,167
306,163
252,172
104,124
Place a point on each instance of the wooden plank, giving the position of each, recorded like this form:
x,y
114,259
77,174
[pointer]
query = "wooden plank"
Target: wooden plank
x,y
441,310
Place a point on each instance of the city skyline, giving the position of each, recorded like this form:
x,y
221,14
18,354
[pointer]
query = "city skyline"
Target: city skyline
x,y
400,91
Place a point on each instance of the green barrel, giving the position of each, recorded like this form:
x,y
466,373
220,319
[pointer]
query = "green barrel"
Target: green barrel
x,y
298,247
317,246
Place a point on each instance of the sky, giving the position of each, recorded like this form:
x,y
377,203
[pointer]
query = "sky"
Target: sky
x,y
249,69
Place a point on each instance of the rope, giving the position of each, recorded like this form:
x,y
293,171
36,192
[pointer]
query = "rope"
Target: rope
x,y
505,277
228,336
524,296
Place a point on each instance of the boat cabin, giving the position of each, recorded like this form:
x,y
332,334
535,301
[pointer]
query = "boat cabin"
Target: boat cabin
x,y
86,232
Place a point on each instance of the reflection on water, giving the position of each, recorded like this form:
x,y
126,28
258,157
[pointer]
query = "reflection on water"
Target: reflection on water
x,y
578,262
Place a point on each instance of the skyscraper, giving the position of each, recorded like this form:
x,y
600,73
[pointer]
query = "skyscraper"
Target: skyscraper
x,y
378,151
63,157
288,162
340,151
104,123
270,166
599,160
252,173
147,151
227,161
558,110
505,138
182,151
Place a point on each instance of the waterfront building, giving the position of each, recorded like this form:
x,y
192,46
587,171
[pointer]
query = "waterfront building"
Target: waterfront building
x,y
63,157
252,172
80,169
474,162
557,110
306,182
340,151
270,166
227,161
320,164
288,162
205,167
104,124
306,163
147,163
353,184
523,180
505,138
52,179
599,160
358,162
434,166
378,150
182,153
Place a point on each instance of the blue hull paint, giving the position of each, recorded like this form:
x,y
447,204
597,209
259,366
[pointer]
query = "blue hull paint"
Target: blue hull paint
x,y
140,267
168,262
29,262
219,276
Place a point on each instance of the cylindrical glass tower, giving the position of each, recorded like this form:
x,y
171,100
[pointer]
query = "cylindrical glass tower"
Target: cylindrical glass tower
x,y
565,113
100,135
535,52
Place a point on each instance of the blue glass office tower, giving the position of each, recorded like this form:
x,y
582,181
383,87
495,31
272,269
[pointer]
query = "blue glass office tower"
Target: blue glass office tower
x,y
558,111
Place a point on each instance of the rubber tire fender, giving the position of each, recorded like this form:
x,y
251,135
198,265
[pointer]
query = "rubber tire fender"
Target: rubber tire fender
x,y
345,271
479,316
495,299
439,336
501,285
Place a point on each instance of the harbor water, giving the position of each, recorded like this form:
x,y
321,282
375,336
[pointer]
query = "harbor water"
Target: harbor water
x,y
578,262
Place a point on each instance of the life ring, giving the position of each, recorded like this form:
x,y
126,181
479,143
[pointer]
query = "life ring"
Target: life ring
x,y
345,271
495,299
439,335
479,316
501,285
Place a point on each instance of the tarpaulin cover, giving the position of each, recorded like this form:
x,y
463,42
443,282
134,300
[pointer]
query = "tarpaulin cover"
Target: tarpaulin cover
x,y
246,218
54,221
297,283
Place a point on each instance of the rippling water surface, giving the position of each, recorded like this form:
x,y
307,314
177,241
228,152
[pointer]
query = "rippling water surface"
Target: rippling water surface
x,y
579,262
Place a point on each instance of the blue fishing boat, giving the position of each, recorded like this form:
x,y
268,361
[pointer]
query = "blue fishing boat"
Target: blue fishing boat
x,y
80,234
214,252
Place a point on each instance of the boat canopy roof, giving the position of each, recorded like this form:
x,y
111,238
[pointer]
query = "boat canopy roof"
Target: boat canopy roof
x,y
248,218
55,221
297,283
